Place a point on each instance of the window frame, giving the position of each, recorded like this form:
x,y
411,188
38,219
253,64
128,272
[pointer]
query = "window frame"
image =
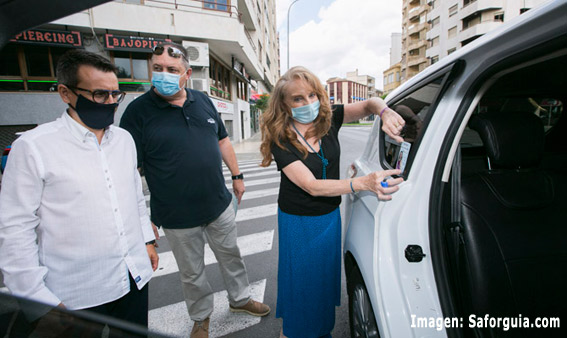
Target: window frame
x,y
220,76
446,75
24,78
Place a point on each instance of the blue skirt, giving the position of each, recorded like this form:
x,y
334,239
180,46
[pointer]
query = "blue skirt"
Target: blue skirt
x,y
309,273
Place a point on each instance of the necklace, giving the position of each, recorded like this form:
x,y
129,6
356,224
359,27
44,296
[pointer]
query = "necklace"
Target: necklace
x,y
321,156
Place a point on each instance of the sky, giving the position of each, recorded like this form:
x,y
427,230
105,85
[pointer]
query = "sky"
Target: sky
x,y
333,37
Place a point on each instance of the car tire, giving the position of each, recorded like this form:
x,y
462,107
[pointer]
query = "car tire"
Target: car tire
x,y
361,315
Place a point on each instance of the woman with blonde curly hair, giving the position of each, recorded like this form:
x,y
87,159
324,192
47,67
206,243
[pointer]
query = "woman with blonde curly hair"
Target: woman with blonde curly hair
x,y
300,130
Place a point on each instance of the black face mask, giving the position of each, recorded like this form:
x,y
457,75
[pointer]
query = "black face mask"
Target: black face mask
x,y
95,115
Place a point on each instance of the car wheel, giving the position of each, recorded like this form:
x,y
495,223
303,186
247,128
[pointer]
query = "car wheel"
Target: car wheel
x,y
362,319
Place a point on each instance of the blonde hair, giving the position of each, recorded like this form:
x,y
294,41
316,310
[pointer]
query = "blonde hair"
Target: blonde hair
x,y
276,120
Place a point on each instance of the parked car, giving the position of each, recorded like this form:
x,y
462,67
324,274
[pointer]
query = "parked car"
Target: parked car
x,y
474,244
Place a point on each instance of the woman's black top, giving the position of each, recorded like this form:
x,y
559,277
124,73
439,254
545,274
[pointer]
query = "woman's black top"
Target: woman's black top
x,y
294,200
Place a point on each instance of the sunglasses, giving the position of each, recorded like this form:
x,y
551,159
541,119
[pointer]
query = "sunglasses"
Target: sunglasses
x,y
171,51
102,95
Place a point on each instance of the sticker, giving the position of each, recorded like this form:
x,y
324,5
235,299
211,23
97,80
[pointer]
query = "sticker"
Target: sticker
x,y
403,156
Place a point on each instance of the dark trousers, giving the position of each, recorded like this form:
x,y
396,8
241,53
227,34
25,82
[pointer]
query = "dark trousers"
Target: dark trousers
x,y
132,307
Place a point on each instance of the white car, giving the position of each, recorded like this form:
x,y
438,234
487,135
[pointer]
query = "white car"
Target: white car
x,y
474,243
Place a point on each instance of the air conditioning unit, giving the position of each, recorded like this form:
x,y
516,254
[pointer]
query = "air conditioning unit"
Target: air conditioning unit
x,y
201,85
198,53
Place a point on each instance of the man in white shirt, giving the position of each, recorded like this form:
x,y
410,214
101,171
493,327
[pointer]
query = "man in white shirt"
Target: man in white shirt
x,y
74,228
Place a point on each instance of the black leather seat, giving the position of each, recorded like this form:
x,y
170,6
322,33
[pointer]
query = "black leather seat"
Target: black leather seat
x,y
514,228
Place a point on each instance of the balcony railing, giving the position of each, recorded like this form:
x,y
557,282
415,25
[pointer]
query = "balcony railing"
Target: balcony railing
x,y
193,6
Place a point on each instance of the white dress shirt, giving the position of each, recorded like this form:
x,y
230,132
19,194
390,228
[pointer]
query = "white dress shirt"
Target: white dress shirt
x,y
73,217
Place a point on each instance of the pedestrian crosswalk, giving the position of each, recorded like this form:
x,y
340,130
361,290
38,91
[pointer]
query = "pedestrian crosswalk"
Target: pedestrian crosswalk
x,y
258,206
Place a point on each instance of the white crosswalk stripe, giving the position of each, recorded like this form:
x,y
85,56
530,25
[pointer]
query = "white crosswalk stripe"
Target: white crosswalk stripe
x,y
173,319
249,245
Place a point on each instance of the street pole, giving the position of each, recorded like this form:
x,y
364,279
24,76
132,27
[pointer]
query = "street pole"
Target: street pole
x,y
288,10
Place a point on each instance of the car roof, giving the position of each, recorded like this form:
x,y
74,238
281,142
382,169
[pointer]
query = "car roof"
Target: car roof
x,y
531,28
17,16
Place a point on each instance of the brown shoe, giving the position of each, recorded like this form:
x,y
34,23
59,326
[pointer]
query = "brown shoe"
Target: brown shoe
x,y
200,329
253,308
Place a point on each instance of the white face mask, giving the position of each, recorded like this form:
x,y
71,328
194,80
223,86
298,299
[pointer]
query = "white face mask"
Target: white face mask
x,y
307,113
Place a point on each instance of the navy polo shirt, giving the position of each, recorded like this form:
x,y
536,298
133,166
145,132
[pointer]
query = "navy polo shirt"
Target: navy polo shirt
x,y
178,148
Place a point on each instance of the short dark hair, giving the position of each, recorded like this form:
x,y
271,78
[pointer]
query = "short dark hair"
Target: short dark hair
x,y
69,63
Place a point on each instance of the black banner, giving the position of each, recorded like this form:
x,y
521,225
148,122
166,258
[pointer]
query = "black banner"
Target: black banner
x,y
131,43
50,38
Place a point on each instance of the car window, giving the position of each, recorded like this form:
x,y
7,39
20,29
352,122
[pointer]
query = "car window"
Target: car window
x,y
523,91
416,109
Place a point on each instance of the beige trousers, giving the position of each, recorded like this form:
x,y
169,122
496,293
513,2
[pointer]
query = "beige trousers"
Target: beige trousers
x,y
188,247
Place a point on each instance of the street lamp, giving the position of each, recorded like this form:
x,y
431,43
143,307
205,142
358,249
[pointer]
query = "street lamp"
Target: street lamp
x,y
288,10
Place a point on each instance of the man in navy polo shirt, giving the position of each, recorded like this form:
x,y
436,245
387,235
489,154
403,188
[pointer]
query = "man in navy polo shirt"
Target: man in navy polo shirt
x,y
181,143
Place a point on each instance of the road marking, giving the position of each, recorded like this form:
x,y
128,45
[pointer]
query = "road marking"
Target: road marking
x,y
227,173
249,245
248,195
248,176
251,165
256,212
257,182
174,320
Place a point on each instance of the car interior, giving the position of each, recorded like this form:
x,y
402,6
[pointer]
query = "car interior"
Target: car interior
x,y
505,232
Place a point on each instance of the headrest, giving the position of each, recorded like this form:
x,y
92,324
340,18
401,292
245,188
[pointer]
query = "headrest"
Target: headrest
x,y
511,140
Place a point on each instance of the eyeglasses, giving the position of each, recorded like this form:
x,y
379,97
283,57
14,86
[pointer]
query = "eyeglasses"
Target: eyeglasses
x,y
171,51
101,95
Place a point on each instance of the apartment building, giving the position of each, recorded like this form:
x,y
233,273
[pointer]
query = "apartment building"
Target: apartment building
x,y
392,75
233,49
454,24
343,91
366,80
414,40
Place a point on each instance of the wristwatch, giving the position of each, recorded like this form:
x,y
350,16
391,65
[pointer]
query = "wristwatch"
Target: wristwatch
x,y
152,242
238,177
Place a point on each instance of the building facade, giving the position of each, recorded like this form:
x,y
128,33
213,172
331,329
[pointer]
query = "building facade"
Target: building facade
x,y
233,49
454,24
343,91
366,80
393,75
414,40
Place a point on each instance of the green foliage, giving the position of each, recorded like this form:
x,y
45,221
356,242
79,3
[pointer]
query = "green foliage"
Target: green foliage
x,y
262,102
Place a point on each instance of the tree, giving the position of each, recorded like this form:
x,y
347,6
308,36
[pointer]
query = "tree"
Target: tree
x,y
262,102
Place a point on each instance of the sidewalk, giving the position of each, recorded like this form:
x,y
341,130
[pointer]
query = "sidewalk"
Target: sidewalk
x,y
248,149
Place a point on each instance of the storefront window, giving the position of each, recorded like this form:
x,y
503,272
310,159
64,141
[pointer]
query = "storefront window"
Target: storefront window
x,y
133,70
29,67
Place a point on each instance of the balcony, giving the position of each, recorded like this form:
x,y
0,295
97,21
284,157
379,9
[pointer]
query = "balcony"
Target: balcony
x,y
416,60
480,6
416,28
249,17
478,30
417,44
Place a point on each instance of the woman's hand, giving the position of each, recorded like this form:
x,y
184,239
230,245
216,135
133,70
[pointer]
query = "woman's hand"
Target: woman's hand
x,y
373,182
392,124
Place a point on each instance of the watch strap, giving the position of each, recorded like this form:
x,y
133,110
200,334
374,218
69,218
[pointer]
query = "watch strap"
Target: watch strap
x,y
238,177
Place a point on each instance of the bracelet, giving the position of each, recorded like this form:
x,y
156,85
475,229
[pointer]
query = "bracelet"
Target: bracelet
x,y
238,177
351,188
382,112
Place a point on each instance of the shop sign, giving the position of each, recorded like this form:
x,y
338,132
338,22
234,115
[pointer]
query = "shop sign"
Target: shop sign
x,y
223,107
50,38
131,43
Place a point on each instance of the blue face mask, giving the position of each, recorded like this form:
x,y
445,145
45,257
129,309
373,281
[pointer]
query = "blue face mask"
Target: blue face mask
x,y
307,113
167,84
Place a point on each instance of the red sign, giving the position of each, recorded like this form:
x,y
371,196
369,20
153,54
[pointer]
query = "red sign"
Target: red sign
x,y
51,38
131,43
